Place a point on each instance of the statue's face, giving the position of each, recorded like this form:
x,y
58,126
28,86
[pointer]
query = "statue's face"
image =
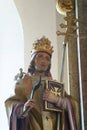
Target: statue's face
x,y
42,61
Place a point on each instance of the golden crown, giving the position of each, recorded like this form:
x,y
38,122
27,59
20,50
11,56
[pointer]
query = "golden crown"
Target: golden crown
x,y
43,44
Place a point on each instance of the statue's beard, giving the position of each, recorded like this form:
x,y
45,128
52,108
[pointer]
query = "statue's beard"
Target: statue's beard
x,y
39,69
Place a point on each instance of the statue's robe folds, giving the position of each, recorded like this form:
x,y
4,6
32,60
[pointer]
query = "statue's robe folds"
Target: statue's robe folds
x,y
37,118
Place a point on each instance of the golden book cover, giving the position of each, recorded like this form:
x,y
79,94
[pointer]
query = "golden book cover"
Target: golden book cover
x,y
57,89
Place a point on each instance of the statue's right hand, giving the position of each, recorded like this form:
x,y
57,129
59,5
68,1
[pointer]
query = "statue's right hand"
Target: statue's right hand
x,y
30,103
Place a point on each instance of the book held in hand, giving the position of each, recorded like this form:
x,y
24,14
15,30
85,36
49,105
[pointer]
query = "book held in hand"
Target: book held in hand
x,y
57,89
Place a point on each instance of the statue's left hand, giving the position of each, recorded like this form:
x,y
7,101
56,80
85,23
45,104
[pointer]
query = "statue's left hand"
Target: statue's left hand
x,y
49,96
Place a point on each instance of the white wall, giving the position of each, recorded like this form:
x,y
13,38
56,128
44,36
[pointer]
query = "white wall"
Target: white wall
x,y
11,53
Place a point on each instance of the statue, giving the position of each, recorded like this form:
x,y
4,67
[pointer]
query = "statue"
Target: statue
x,y
30,94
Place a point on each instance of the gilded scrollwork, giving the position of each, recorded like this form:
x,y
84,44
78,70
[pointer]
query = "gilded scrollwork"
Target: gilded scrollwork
x,y
66,7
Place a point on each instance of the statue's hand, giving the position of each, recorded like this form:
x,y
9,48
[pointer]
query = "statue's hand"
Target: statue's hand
x,y
29,104
49,96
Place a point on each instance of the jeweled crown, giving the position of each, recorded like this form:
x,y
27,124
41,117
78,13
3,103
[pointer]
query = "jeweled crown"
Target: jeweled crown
x,y
43,44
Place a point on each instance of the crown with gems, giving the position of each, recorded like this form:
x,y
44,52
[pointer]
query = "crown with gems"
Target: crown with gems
x,y
42,45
